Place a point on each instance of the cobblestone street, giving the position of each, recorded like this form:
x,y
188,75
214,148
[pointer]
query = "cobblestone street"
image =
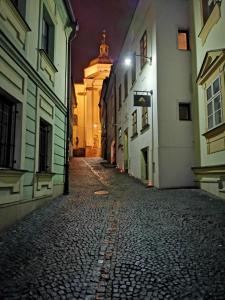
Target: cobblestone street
x,y
133,243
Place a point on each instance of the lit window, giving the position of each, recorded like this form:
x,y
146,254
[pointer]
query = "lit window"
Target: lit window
x,y
134,122
143,49
44,147
183,39
47,34
184,112
144,117
214,107
7,132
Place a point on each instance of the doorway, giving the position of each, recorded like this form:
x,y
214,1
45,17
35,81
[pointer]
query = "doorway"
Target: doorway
x,y
126,153
144,164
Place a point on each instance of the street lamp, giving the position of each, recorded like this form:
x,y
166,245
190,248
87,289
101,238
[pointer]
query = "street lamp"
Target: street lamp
x,y
128,60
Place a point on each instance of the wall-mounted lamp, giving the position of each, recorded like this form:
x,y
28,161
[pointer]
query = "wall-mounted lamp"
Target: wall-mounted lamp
x,y
128,60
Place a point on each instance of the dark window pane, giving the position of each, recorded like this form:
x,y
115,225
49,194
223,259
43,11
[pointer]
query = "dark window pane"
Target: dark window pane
x,y
43,147
217,103
209,93
210,108
216,86
184,111
7,132
210,121
218,117
143,49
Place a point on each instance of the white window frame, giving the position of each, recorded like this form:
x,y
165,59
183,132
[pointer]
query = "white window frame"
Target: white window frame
x,y
211,102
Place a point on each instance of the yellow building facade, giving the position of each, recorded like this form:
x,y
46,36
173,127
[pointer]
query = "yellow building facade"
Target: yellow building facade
x,y
87,128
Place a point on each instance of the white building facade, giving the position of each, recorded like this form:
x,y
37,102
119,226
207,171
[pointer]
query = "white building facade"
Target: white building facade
x,y
209,94
155,143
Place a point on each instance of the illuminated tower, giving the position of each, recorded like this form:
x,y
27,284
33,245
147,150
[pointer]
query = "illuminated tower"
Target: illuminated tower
x,y
87,131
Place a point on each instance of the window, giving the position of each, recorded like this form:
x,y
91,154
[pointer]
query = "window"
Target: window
x,y
119,136
134,123
75,119
207,8
120,96
144,117
125,85
184,112
133,70
214,107
47,35
183,39
143,49
44,149
20,6
7,132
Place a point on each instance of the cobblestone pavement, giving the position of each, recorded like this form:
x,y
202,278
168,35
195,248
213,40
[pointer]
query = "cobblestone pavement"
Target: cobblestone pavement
x,y
134,243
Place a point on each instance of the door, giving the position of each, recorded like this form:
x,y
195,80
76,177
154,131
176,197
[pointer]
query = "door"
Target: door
x,y
144,164
126,154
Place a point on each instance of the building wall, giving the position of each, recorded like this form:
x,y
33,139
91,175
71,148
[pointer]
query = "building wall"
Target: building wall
x,y
210,170
38,86
176,141
168,77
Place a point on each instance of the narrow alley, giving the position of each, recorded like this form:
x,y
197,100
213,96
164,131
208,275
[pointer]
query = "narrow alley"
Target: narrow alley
x,y
132,243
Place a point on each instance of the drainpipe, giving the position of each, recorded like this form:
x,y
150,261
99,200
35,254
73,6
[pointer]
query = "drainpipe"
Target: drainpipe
x,y
75,27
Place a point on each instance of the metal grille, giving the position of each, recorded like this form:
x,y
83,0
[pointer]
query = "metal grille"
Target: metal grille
x,y
43,147
7,133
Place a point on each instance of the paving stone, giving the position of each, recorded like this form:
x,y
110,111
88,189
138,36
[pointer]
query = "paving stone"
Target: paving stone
x,y
134,243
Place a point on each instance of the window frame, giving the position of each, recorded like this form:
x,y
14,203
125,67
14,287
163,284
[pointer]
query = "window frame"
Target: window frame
x,y
133,68
143,49
134,123
48,37
188,106
45,135
212,100
187,35
144,117
7,159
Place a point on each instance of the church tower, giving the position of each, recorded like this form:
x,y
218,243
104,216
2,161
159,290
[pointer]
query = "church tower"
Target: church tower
x,y
87,130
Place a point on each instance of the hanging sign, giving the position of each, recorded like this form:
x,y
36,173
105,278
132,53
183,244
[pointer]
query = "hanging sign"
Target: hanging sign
x,y
142,100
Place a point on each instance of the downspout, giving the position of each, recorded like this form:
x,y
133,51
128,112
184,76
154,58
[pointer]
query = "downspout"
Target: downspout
x,y
74,24
115,116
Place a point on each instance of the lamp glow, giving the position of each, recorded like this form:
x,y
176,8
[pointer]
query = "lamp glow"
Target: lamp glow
x,y
128,61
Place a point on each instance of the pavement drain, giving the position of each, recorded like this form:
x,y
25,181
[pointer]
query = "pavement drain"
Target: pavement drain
x,y
101,192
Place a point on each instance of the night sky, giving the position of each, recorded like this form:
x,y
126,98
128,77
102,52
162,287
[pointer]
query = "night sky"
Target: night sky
x,y
94,16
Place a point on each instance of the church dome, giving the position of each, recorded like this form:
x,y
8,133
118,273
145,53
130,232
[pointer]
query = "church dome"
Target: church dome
x,y
103,57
